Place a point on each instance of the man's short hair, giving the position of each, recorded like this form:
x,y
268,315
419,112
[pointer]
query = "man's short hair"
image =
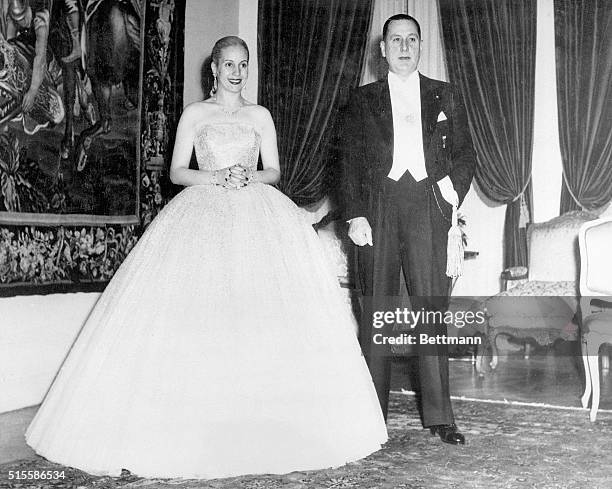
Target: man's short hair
x,y
400,17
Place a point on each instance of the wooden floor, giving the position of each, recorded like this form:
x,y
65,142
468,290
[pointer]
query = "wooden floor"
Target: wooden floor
x,y
553,377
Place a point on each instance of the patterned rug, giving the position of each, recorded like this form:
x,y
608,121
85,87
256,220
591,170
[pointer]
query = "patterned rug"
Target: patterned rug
x,y
508,446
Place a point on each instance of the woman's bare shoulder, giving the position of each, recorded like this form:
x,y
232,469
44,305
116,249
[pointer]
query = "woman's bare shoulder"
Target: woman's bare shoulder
x,y
259,113
198,109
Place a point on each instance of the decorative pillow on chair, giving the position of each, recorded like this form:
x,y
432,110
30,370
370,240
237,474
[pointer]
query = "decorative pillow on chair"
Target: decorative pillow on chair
x,y
553,247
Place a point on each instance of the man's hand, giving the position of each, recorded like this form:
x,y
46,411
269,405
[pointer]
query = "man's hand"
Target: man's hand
x,y
360,231
448,191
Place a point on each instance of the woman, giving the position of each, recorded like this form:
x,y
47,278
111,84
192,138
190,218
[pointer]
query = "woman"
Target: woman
x,y
222,345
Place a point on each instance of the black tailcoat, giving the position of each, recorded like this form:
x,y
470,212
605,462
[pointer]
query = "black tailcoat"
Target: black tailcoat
x,y
424,216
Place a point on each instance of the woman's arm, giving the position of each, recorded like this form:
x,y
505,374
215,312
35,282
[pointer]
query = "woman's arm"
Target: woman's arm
x,y
180,173
268,150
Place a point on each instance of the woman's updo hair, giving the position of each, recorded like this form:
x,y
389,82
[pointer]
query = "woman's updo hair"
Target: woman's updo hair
x,y
226,42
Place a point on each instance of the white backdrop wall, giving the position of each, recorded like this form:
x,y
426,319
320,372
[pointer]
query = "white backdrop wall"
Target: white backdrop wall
x,y
35,335
205,22
547,174
247,30
209,20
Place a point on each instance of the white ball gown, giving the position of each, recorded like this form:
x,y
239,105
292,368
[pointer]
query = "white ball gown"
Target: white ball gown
x,y
221,347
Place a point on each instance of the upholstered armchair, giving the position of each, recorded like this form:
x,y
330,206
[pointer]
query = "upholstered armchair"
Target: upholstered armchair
x,y
595,239
542,306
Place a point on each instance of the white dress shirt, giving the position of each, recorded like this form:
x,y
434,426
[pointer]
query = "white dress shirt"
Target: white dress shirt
x,y
408,152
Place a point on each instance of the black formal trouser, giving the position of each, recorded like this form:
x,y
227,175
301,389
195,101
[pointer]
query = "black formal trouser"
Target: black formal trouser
x,y
412,237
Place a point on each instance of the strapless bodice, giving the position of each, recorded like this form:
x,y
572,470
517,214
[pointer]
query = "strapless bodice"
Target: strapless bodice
x,y
221,145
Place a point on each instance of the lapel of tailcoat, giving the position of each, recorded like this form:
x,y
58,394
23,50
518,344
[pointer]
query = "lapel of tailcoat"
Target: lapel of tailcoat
x,y
431,105
381,107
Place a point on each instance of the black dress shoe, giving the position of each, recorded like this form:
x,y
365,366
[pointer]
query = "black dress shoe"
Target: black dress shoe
x,y
448,433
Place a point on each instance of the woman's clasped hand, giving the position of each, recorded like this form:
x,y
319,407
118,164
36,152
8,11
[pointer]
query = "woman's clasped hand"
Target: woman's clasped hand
x,y
234,177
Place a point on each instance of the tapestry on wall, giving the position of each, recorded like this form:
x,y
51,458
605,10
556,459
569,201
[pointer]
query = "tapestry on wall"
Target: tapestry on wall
x,y
90,93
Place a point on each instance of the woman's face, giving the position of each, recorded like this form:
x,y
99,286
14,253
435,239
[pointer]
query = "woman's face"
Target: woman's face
x,y
233,69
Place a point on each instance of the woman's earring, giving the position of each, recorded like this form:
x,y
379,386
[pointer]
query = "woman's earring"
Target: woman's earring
x,y
213,90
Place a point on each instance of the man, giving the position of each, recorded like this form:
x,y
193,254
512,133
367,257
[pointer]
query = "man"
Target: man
x,y
407,160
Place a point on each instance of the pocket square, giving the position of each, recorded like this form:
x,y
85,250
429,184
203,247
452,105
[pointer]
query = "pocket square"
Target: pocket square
x,y
441,117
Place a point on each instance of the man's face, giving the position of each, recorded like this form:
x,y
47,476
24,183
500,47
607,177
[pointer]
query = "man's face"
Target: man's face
x,y
402,47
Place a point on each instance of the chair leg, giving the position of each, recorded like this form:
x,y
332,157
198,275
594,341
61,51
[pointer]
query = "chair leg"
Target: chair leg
x,y
481,353
494,351
587,375
593,356
605,363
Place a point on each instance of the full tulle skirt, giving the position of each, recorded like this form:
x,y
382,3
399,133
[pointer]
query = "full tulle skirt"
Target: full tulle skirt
x,y
221,347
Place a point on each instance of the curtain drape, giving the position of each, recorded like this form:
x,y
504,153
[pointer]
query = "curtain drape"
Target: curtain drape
x,y
490,52
310,56
583,41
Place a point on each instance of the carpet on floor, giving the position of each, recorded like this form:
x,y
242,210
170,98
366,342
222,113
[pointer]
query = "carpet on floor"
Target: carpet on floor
x,y
508,446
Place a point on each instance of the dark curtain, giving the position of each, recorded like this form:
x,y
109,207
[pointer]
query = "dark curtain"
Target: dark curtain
x,y
310,55
583,39
490,49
